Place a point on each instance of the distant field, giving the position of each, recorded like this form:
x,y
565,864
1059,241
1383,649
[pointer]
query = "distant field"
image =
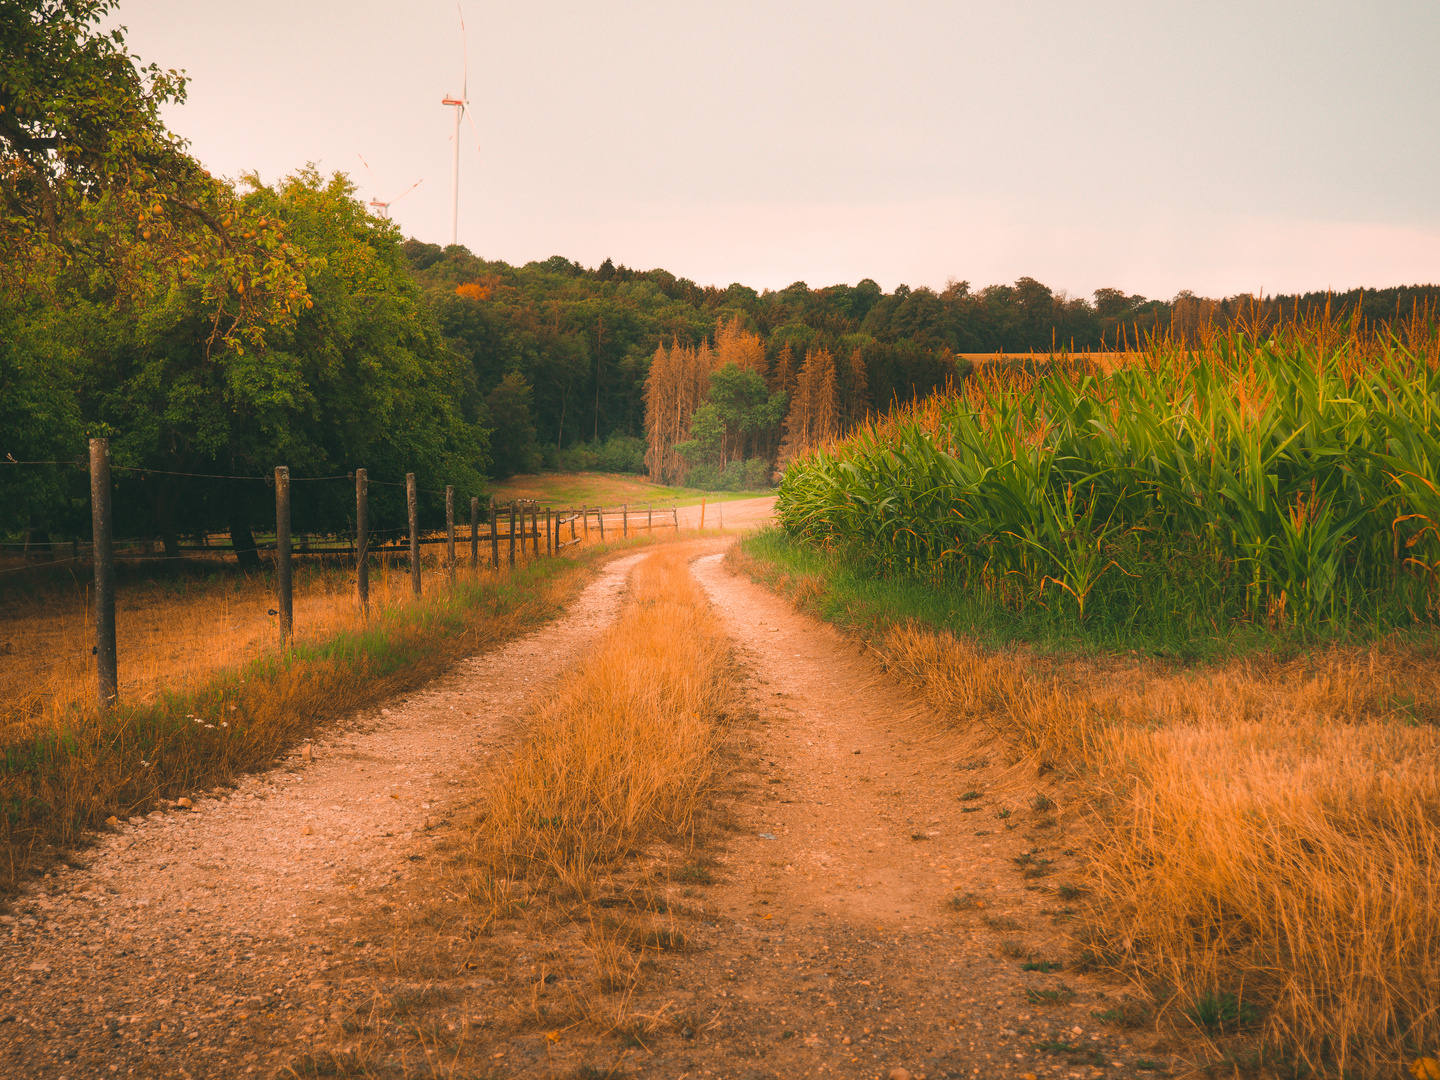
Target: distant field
x,y
1106,361
606,489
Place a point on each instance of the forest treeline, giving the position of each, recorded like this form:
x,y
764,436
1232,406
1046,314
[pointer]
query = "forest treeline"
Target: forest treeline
x,y
562,353
402,356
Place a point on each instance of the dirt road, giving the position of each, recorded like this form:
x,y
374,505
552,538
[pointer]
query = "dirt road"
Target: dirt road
x,y
884,886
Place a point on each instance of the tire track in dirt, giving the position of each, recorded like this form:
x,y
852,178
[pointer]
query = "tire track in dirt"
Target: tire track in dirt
x,y
212,942
837,950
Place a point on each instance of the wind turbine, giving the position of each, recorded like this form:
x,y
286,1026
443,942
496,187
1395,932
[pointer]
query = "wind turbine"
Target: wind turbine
x,y
384,205
460,104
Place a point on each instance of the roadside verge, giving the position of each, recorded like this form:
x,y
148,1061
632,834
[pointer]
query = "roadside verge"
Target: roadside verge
x,y
1263,833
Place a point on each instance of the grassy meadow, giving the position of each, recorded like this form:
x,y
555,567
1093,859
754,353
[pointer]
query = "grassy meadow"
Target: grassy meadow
x,y
565,490
1260,800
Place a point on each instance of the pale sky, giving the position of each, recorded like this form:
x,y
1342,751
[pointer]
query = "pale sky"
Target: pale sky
x,y
1150,146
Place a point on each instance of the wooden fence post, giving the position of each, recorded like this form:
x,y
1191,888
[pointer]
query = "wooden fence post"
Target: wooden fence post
x,y
649,517
702,513
413,508
494,538
512,534
572,524
600,517
362,538
107,678
282,552
549,539
675,517
450,532
624,520
474,533
535,529
585,512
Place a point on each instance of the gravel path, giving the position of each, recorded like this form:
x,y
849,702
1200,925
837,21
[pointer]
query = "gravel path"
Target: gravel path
x,y
885,884
201,943
839,949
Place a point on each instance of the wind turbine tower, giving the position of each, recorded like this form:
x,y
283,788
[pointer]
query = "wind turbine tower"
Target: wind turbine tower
x,y
459,104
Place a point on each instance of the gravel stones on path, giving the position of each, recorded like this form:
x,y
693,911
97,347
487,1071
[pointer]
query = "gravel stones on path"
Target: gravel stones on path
x,y
210,940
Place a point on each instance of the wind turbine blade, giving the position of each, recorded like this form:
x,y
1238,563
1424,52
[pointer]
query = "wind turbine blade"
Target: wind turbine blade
x,y
373,182
407,191
476,131
464,58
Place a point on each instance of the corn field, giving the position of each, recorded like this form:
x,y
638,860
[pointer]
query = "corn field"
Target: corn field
x,y
1285,475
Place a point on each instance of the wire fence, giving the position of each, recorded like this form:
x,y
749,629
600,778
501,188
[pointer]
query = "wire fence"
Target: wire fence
x,y
498,536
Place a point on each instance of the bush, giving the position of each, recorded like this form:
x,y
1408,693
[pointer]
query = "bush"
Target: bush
x,y
752,475
617,454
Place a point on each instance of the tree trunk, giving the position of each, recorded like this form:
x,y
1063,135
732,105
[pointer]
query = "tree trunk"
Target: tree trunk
x,y
243,541
164,494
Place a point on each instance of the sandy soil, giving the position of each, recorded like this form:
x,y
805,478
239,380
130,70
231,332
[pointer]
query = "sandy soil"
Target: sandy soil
x,y
881,885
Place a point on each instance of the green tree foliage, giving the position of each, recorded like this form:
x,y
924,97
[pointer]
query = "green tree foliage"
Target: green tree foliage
x,y
360,376
90,177
748,411
512,429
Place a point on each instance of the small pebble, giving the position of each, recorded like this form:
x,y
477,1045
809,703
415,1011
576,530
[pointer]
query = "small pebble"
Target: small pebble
x,y
184,804
899,1074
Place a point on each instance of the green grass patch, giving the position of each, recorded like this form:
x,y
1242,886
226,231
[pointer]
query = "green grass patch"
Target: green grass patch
x,y
609,490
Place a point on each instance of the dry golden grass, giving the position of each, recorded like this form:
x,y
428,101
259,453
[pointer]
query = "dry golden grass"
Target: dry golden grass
x,y
626,750
226,708
1266,839
179,627
624,757
1264,836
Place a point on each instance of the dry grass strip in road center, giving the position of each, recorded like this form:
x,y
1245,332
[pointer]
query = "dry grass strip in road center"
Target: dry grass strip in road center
x,y
571,876
627,750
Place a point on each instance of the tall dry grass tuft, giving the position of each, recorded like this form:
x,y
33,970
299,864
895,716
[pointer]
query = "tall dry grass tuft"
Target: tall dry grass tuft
x,y
627,750
1264,834
1290,864
624,758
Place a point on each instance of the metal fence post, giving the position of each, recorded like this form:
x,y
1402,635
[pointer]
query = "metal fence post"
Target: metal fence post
x,y
362,539
413,507
285,598
107,679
